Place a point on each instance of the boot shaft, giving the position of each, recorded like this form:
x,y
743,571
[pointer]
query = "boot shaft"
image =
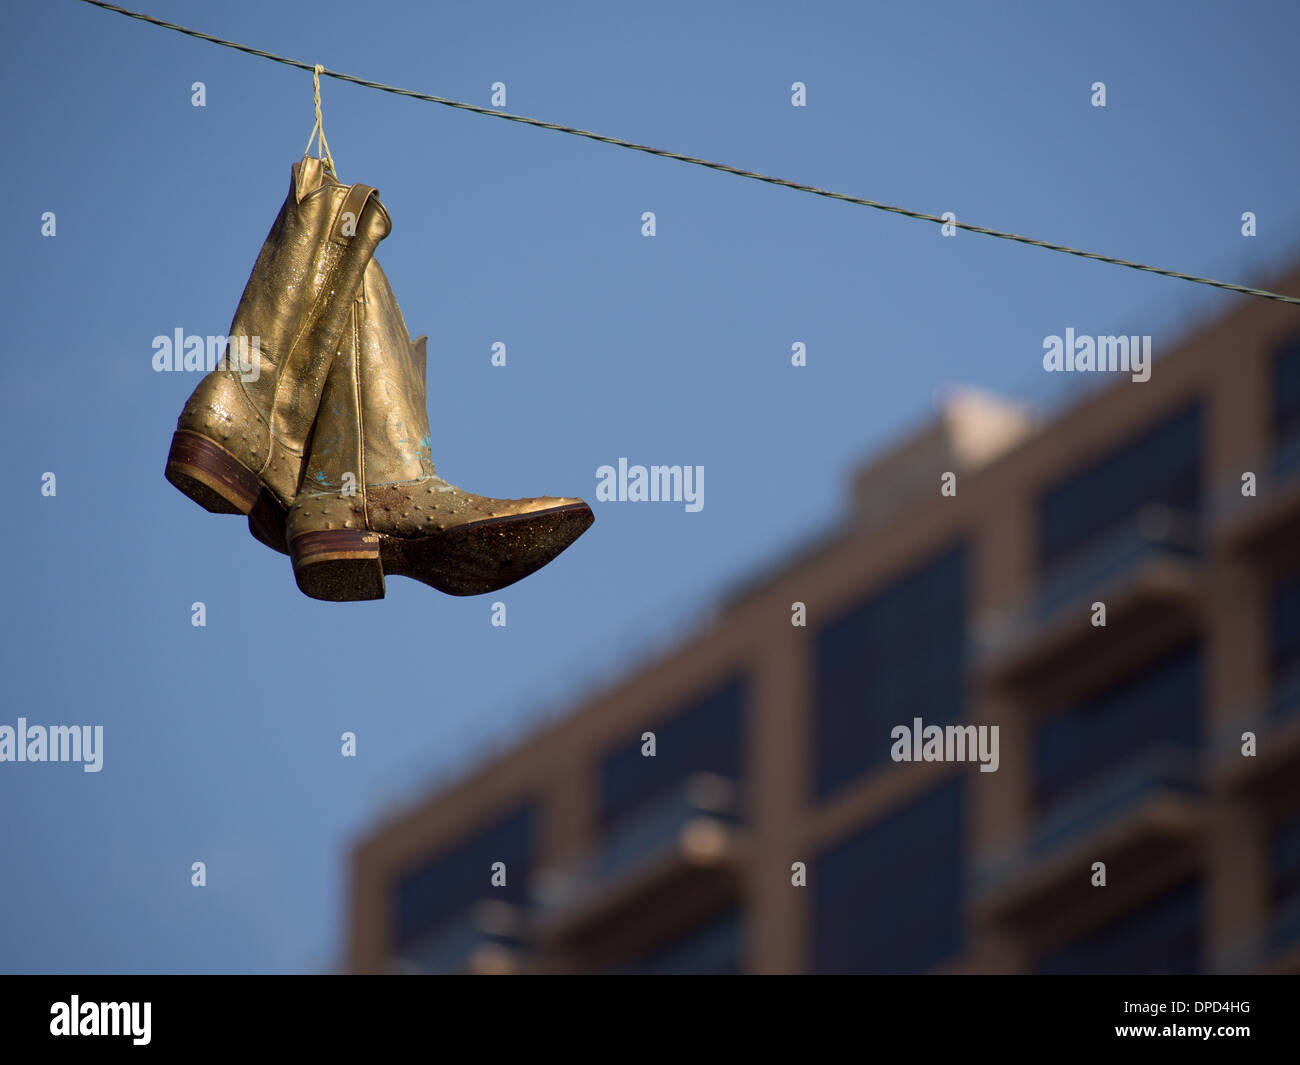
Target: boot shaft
x,y
298,296
373,421
394,396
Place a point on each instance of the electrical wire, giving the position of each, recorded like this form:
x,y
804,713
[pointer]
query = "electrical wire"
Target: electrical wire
x,y
693,161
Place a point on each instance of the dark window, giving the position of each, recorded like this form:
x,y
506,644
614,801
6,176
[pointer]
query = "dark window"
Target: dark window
x,y
897,656
705,737
1159,704
1286,627
1163,936
1286,391
889,900
1286,860
445,887
713,947
1162,465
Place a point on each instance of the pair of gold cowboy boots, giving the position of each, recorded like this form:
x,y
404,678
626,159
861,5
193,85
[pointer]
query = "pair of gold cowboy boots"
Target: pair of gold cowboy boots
x,y
327,447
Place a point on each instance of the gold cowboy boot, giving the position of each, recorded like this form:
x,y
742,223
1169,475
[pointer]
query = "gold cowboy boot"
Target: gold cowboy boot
x,y
370,502
240,440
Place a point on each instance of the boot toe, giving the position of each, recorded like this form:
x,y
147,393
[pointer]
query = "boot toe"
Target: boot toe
x,y
488,555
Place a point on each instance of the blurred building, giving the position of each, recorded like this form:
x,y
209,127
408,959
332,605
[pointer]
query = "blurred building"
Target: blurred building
x,y
1174,504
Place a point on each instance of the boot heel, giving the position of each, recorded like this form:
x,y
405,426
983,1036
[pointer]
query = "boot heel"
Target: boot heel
x,y
340,566
210,475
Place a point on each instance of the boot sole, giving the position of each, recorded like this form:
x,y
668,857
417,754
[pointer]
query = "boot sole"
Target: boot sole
x,y
221,484
349,565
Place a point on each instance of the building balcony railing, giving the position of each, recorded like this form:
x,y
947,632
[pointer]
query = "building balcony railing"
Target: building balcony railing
x,y
1270,518
1144,572
694,829
490,937
1142,806
1275,723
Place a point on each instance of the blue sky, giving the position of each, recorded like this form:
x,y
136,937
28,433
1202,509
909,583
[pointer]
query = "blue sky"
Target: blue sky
x,y
222,743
